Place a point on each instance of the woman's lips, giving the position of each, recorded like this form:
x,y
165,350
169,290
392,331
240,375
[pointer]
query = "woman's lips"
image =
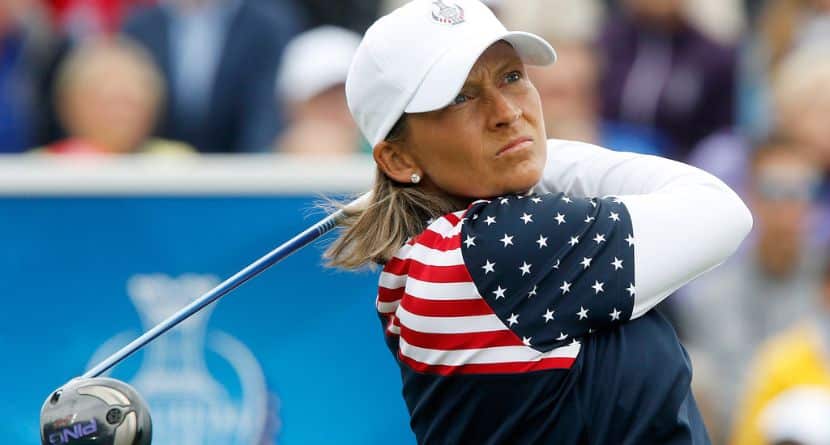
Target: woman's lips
x,y
516,145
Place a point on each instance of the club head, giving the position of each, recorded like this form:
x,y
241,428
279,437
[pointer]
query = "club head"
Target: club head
x,y
95,411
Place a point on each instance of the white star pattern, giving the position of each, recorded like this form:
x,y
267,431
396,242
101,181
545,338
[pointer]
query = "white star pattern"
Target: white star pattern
x,y
631,290
470,241
499,292
594,256
489,267
586,263
630,240
475,217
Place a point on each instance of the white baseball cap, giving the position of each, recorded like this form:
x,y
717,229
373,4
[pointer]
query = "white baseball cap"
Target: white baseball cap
x,y
315,61
417,58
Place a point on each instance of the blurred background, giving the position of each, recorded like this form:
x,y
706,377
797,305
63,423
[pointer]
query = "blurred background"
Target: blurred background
x,y
151,148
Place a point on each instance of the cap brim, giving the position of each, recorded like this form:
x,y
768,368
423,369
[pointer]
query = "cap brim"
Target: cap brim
x,y
446,78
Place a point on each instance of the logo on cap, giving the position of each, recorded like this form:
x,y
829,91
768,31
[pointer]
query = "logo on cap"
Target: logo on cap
x,y
447,15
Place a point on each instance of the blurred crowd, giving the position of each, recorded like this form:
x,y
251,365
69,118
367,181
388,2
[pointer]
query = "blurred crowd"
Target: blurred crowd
x,y
740,88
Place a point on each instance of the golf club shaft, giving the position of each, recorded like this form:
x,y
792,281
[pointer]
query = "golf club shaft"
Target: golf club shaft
x,y
254,269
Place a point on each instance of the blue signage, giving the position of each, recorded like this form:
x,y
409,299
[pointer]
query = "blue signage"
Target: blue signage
x,y
294,357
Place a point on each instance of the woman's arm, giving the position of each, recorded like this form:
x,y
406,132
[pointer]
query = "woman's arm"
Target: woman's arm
x,y
685,221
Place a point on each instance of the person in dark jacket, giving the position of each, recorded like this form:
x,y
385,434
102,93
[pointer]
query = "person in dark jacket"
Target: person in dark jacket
x,y
660,72
219,59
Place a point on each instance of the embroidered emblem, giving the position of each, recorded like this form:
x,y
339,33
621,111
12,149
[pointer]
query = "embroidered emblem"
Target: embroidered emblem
x,y
448,15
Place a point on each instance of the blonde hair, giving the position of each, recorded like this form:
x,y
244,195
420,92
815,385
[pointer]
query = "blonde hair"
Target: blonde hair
x,y
395,213
801,77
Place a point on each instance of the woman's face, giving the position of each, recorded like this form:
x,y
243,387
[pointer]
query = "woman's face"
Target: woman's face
x,y
491,140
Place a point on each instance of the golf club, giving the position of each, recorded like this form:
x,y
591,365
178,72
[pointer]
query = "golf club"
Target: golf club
x,y
92,409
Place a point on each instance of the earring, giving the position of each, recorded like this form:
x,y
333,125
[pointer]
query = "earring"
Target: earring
x,y
415,178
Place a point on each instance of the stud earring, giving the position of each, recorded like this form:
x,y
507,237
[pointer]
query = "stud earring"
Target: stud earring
x,y
415,178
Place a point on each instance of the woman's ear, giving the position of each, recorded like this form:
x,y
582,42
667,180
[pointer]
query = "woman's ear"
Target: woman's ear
x,y
396,162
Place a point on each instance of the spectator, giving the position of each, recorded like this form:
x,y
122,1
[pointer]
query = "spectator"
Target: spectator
x,y
766,287
793,359
312,82
801,92
801,109
783,26
219,59
24,46
108,98
659,71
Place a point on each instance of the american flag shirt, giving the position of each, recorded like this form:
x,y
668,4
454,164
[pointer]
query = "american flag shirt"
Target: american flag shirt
x,y
487,309
511,322
509,285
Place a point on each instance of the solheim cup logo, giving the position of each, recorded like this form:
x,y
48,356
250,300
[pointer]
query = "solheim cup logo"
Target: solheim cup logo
x,y
447,15
189,406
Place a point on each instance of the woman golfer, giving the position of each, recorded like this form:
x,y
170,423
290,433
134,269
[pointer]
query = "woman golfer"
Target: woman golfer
x,y
519,272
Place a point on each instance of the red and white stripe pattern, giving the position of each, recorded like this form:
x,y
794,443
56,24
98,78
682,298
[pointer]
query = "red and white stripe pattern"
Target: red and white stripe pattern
x,y
443,324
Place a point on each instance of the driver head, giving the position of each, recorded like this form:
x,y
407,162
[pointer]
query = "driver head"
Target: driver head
x,y
99,411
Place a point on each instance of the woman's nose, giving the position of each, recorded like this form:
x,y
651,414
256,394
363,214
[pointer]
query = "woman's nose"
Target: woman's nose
x,y
504,111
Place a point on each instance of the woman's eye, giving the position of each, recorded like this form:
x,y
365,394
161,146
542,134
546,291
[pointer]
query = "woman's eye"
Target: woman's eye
x,y
514,76
460,99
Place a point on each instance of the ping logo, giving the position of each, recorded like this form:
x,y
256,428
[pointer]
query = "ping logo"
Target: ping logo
x,y
72,432
447,15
